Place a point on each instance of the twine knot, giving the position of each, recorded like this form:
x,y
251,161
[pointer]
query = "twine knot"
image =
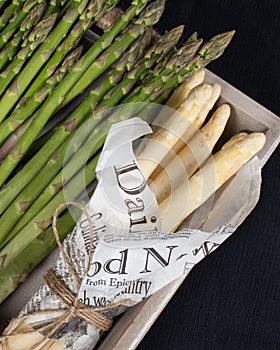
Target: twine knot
x,y
73,307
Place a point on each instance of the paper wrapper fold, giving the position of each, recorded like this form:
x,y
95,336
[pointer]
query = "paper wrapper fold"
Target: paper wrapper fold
x,y
133,258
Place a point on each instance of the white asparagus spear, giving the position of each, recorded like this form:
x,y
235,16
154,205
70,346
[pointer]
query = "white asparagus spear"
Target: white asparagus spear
x,y
168,129
196,124
235,138
199,120
183,90
192,156
191,106
208,179
25,341
208,105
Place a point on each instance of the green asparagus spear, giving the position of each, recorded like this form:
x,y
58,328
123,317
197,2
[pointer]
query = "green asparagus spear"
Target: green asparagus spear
x,y
27,106
104,42
39,57
158,51
112,79
157,90
12,48
53,7
17,272
209,51
86,107
38,35
10,142
93,12
149,17
73,188
15,23
175,64
43,220
9,12
44,177
28,208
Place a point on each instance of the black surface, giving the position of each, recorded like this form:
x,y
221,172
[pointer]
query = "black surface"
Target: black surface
x,y
231,299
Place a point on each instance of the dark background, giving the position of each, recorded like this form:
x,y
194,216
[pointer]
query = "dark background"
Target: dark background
x,y
231,299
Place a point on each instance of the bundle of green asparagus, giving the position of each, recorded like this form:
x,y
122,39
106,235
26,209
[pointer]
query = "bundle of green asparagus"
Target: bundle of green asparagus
x,y
50,86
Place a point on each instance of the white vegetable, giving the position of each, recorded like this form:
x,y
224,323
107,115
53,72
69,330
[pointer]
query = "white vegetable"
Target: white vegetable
x,y
192,156
208,179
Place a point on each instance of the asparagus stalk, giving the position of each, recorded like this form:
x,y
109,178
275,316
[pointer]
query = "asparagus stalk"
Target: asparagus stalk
x,y
35,38
26,206
197,119
50,179
209,52
169,130
125,64
87,106
221,168
28,106
37,250
53,7
15,23
43,219
156,86
39,57
173,66
158,51
9,12
11,49
187,50
149,17
163,97
10,142
208,105
73,187
175,132
182,92
93,12
104,42
47,178
173,98
192,156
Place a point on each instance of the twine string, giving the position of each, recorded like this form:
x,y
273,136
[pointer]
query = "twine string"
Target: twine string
x,y
73,307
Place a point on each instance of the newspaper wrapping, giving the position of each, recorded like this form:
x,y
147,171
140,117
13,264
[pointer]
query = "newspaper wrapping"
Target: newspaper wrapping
x,y
132,257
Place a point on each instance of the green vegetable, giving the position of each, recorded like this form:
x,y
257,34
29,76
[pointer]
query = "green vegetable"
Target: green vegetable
x,y
9,12
39,57
28,105
41,75
15,23
13,46
150,16
92,13
156,53
34,39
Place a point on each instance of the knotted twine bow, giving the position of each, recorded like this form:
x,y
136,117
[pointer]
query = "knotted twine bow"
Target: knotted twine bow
x,y
73,307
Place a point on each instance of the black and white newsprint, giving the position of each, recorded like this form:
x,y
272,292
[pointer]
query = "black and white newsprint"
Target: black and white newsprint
x,y
133,258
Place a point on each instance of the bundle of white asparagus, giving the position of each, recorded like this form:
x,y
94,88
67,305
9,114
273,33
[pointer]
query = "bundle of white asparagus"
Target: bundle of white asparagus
x,y
177,158
177,162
